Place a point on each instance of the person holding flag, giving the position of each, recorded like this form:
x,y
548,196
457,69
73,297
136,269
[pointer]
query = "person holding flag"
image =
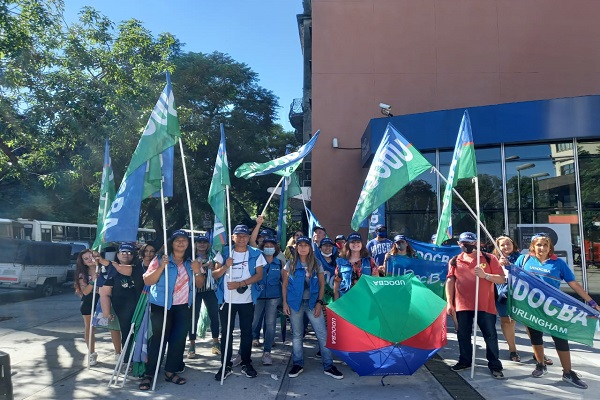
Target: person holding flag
x,y
181,270
463,271
543,263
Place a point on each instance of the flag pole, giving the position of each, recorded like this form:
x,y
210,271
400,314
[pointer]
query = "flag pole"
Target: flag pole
x,y
478,263
476,216
90,333
189,199
162,337
225,355
270,197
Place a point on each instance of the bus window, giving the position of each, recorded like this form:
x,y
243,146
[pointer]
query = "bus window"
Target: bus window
x,y
58,233
46,234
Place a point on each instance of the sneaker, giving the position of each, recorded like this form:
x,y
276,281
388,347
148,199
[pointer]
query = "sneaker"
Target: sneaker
x,y
295,371
192,351
216,348
256,343
459,366
573,378
267,359
539,371
93,360
547,360
237,360
497,374
227,373
334,373
249,371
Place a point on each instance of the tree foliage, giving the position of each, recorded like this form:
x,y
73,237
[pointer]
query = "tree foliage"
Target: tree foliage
x,y
64,89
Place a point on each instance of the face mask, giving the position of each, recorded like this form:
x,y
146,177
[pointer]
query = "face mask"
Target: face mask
x,y
327,254
269,251
382,234
401,246
467,248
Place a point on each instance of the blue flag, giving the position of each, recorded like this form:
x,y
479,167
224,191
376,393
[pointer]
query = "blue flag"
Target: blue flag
x,y
431,273
434,252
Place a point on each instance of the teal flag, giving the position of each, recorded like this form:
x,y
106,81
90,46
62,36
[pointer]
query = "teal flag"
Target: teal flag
x,y
289,188
538,305
281,165
395,164
216,193
107,195
463,165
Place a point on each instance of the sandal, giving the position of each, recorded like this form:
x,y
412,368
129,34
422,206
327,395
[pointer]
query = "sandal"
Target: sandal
x,y
547,360
176,379
146,383
514,356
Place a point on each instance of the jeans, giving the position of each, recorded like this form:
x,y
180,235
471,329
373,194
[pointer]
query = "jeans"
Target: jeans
x,y
179,318
212,307
487,325
318,324
246,314
269,308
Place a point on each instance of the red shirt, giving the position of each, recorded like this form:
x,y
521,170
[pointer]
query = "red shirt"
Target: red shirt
x,y
465,278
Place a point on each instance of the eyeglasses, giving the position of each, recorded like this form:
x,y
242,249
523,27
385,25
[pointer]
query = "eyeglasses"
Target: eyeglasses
x,y
129,253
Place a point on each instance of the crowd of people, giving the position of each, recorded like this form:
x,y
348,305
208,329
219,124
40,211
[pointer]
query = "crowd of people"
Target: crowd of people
x,y
255,280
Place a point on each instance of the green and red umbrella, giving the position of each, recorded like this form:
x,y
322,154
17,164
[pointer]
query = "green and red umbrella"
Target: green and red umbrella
x,y
387,326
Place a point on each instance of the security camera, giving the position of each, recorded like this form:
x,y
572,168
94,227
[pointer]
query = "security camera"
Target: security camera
x,y
386,109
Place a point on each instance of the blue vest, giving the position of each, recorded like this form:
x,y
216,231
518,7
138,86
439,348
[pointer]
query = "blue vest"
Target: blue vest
x,y
253,255
295,288
157,291
270,285
345,270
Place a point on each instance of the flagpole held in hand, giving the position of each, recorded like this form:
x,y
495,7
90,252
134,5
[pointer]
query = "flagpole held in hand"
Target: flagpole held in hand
x,y
226,287
90,334
162,337
270,197
189,199
478,263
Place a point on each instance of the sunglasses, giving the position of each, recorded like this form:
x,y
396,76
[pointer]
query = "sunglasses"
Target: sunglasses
x,y
126,252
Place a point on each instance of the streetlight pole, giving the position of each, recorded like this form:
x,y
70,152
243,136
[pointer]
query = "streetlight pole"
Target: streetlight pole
x,y
533,178
520,168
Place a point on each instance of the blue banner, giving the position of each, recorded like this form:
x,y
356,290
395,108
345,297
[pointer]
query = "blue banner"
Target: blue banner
x,y
434,252
431,273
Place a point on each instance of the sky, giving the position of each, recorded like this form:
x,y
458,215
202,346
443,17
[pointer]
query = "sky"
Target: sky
x,y
260,33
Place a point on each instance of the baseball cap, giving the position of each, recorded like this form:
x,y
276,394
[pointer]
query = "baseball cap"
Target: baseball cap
x,y
354,236
303,239
126,247
380,227
340,237
179,233
270,239
467,237
202,238
398,238
264,232
241,230
326,241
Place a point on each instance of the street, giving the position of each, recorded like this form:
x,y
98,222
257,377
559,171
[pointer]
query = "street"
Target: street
x,y
44,337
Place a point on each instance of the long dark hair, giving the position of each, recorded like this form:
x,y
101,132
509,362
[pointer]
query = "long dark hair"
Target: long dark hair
x,y
188,251
81,271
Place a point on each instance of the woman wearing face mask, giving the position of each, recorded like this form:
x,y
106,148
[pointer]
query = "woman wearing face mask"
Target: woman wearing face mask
x,y
401,248
269,297
353,261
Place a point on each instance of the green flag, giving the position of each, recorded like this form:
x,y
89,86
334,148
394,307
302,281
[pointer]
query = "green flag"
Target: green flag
x,y
463,165
289,188
216,193
107,195
395,164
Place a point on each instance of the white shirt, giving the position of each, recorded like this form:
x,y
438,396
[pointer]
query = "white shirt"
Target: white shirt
x,y
238,272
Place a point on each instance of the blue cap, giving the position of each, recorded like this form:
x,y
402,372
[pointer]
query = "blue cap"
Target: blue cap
x,y
319,227
398,238
326,241
540,235
340,237
303,239
264,232
467,237
202,238
126,247
178,233
241,230
354,236
380,227
270,239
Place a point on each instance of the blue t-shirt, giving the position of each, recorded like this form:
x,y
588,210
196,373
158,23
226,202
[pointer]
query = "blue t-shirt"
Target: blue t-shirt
x,y
378,249
551,271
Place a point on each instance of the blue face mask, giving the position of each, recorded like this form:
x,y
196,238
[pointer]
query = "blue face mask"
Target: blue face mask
x,y
382,234
269,251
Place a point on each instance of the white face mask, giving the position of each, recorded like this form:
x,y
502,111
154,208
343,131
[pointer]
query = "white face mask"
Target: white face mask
x,y
327,254
269,251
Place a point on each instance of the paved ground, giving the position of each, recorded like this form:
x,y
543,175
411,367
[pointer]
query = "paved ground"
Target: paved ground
x,y
44,338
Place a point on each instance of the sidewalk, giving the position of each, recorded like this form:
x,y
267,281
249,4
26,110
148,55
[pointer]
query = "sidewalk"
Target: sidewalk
x,y
44,338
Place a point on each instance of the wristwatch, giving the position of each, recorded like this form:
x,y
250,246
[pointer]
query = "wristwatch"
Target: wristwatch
x,y
197,273
320,302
